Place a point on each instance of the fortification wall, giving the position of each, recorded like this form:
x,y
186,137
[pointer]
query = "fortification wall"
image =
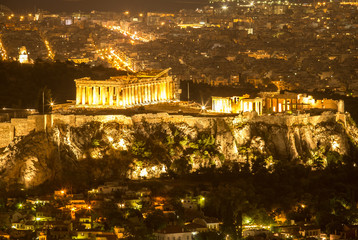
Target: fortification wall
x,y
22,126
200,122
302,119
6,134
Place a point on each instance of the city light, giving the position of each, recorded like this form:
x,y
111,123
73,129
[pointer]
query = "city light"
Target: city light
x,y
51,55
2,50
133,36
224,7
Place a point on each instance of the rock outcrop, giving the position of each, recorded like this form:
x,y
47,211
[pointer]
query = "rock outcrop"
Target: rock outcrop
x,y
101,148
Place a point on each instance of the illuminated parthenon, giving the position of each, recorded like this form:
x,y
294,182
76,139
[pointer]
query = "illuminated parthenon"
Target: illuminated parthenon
x,y
126,91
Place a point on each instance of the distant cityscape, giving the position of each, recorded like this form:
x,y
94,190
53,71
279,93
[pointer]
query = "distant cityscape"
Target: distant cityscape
x,y
293,46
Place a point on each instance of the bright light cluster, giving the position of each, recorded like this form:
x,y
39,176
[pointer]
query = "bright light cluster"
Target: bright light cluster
x,y
117,58
3,53
51,55
133,36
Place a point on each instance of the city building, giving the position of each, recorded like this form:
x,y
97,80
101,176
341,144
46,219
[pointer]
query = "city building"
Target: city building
x,y
237,104
283,102
23,55
125,91
173,232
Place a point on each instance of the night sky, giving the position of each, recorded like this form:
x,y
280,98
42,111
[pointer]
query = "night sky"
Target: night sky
x,y
101,5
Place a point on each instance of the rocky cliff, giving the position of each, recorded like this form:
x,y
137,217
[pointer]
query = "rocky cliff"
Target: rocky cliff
x,y
150,145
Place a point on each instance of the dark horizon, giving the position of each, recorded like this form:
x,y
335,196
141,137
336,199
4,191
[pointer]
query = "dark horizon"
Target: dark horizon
x,y
104,5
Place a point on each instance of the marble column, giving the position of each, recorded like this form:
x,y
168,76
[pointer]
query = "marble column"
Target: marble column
x,y
100,99
104,96
142,97
146,99
162,91
117,96
124,97
171,90
156,91
83,95
136,94
78,95
129,95
132,94
110,95
95,96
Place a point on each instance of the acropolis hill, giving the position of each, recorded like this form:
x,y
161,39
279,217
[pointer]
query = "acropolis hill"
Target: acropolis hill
x,y
35,155
134,126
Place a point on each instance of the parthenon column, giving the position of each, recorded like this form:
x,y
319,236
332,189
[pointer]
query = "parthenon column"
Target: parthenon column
x,y
117,96
142,97
159,96
156,91
170,90
83,95
140,87
161,91
166,90
139,92
110,95
142,93
129,96
100,100
148,87
136,94
78,95
132,94
95,95
124,97
89,95
145,94
104,95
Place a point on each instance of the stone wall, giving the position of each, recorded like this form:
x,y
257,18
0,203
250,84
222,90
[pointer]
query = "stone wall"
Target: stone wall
x,y
302,119
6,134
19,127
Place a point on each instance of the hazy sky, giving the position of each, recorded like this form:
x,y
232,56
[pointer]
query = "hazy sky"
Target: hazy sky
x,y
102,5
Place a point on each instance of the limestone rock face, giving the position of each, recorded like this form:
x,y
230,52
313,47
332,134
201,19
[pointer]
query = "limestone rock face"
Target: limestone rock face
x,y
151,145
